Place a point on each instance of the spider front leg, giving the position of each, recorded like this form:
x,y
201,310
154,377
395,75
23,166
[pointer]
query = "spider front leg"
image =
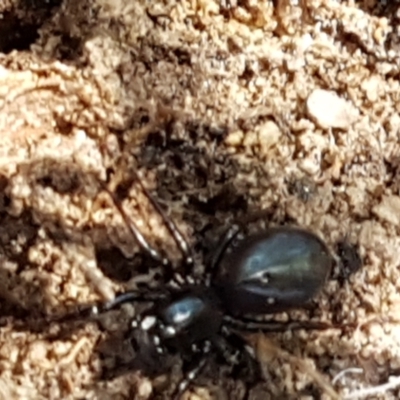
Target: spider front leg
x,y
130,297
140,239
185,267
91,311
179,239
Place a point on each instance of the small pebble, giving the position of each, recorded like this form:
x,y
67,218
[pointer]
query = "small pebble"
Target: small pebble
x,y
388,209
328,110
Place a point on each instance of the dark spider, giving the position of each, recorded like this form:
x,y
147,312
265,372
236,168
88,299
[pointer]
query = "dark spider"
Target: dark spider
x,y
249,275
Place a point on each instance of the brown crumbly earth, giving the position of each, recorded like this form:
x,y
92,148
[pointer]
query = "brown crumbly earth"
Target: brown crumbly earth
x,y
228,109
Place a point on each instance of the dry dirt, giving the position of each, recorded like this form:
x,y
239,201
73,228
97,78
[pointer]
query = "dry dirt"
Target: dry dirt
x,y
211,101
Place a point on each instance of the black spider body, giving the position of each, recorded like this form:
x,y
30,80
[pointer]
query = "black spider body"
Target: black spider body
x,y
269,272
250,275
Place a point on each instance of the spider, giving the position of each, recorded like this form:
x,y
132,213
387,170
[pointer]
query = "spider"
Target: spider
x,y
249,275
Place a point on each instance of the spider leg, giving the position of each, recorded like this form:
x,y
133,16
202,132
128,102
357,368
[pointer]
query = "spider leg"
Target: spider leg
x,y
250,325
237,354
227,238
130,297
141,240
190,377
91,311
179,239
229,346
194,363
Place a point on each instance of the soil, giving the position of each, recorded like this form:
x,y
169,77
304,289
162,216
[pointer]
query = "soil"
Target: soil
x,y
226,109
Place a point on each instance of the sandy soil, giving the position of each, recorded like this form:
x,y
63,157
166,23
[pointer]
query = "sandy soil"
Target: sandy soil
x,y
227,108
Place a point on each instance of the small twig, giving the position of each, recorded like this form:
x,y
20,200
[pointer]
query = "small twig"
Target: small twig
x,y
70,357
393,382
346,371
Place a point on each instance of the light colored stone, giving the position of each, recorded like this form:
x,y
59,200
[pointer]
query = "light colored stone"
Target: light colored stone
x,y
371,88
388,209
328,110
268,135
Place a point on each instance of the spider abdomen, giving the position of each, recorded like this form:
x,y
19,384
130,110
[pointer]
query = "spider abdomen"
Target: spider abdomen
x,y
272,271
